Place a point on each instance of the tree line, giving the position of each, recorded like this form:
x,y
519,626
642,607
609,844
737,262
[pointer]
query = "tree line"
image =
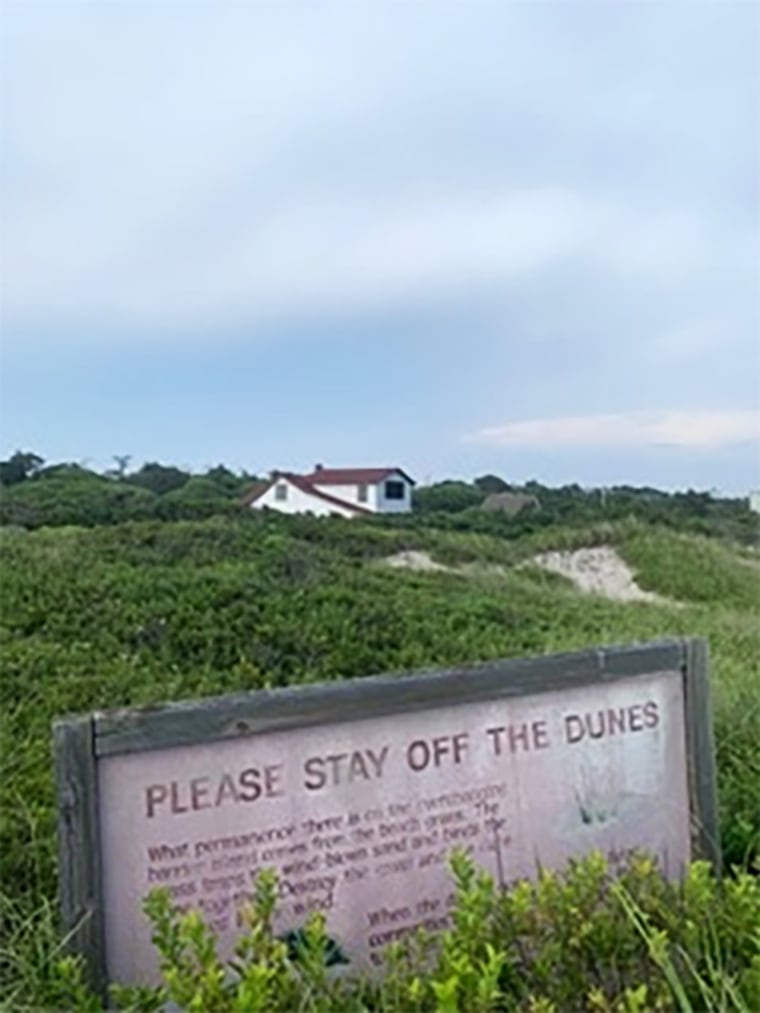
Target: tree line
x,y
35,493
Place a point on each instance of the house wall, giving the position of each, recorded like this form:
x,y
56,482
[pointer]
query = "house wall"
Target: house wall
x,y
376,499
754,501
298,502
394,506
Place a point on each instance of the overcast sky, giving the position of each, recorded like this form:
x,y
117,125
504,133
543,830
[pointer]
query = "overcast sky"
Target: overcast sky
x,y
456,237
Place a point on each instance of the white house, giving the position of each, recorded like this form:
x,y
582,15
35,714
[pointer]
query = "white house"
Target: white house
x,y
348,492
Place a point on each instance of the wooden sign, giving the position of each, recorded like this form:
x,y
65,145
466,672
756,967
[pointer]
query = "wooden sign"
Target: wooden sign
x,y
357,792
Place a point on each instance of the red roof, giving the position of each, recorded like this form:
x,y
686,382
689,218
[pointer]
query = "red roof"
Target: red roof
x,y
257,491
352,476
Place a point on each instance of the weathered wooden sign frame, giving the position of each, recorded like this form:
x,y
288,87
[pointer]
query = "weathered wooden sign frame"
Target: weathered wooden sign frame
x,y
79,743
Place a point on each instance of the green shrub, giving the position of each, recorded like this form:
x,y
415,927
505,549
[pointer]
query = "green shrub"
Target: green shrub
x,y
695,569
581,940
143,612
85,499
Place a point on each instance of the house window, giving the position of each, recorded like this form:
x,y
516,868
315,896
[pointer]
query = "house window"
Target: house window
x,y
394,490
362,493
281,492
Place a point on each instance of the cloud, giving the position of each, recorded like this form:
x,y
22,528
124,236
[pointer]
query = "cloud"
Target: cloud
x,y
326,253
167,174
695,430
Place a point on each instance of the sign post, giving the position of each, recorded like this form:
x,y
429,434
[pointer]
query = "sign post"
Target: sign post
x,y
357,792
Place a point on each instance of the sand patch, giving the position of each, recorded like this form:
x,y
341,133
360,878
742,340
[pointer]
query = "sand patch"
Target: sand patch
x,y
413,559
597,571
416,559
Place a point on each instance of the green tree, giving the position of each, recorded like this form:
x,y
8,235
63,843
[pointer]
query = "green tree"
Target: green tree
x,y
449,497
226,481
491,483
122,463
159,478
19,467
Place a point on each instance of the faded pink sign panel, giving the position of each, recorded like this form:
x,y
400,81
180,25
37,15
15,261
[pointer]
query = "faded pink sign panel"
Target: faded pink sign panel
x,y
359,818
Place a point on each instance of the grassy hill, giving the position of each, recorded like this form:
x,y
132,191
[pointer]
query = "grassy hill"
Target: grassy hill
x,y
150,611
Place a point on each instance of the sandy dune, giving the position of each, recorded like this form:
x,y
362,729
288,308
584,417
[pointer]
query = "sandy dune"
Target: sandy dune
x,y
598,570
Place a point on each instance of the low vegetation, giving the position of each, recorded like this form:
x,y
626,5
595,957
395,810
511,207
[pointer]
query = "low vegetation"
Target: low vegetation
x,y
100,613
578,940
